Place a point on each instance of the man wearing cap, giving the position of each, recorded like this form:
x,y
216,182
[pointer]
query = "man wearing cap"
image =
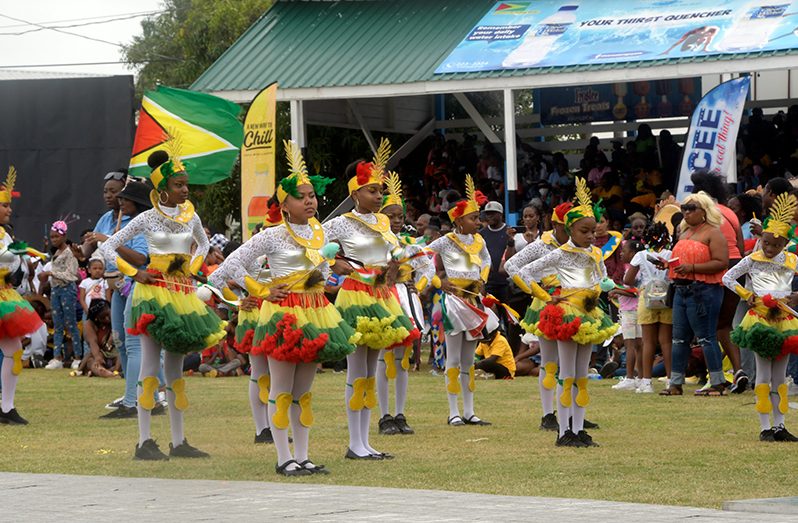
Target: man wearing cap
x,y
494,232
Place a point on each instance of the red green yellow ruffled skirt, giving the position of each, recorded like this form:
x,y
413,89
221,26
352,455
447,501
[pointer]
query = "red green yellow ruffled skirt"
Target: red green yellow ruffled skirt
x,y
245,329
303,328
577,318
170,313
373,310
771,333
17,316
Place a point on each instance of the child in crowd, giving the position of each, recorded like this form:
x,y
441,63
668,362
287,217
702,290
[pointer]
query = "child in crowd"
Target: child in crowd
x,y
94,287
103,357
63,277
630,326
653,313
221,360
769,330
497,357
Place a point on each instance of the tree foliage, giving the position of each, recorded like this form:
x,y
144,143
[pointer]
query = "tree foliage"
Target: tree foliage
x,y
175,48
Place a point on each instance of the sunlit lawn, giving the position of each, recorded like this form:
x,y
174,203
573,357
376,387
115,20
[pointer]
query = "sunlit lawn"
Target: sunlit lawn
x,y
683,450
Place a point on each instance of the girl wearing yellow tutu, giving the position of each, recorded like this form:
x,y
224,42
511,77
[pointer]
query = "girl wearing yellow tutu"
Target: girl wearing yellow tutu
x,y
463,264
769,329
297,326
547,243
413,278
366,299
17,317
571,315
166,311
228,276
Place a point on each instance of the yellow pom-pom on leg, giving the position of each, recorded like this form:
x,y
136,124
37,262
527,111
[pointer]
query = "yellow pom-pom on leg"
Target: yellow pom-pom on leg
x,y
16,368
282,403
390,365
370,397
181,398
550,380
453,375
763,403
582,397
264,382
356,402
306,413
784,403
406,358
566,398
148,387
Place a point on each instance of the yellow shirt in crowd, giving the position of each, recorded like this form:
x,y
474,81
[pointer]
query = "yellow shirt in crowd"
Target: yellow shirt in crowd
x,y
501,349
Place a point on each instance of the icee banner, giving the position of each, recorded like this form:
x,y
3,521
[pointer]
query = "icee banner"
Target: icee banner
x,y
546,33
709,145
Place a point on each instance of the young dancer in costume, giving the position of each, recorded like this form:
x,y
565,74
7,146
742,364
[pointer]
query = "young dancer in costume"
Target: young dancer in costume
x,y
769,329
463,264
571,315
366,299
548,242
166,312
413,279
297,327
17,317
232,272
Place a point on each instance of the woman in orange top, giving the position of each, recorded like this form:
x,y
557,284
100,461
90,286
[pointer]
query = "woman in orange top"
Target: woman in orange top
x,y
697,274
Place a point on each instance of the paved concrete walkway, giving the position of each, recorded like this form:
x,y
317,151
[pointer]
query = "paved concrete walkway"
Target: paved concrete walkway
x,y
61,498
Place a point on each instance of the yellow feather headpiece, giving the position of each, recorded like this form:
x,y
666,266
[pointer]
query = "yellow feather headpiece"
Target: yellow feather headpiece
x,y
393,194
472,203
8,187
781,214
173,147
583,204
373,172
297,167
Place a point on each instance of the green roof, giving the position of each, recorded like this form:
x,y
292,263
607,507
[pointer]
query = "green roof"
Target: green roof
x,y
334,43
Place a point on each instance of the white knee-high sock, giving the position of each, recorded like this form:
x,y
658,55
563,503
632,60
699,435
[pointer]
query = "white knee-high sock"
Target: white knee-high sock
x,y
583,353
778,377
454,343
402,377
260,412
548,354
9,346
303,380
467,350
383,382
566,353
365,414
355,368
173,371
282,373
763,375
150,365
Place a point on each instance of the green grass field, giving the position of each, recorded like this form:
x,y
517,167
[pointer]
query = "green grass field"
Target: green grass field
x,y
680,451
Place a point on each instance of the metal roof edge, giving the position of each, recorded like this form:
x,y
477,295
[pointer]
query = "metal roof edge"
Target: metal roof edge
x,y
551,79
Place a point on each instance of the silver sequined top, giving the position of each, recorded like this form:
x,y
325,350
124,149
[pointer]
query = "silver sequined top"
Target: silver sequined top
x,y
771,277
164,235
455,261
531,252
283,254
575,270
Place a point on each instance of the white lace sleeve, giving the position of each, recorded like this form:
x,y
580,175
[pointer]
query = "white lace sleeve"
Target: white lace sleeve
x,y
734,274
531,252
484,255
338,227
542,267
241,262
138,225
423,265
198,232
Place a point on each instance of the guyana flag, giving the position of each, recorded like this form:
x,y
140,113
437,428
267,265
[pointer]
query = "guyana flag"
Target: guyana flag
x,y
210,131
